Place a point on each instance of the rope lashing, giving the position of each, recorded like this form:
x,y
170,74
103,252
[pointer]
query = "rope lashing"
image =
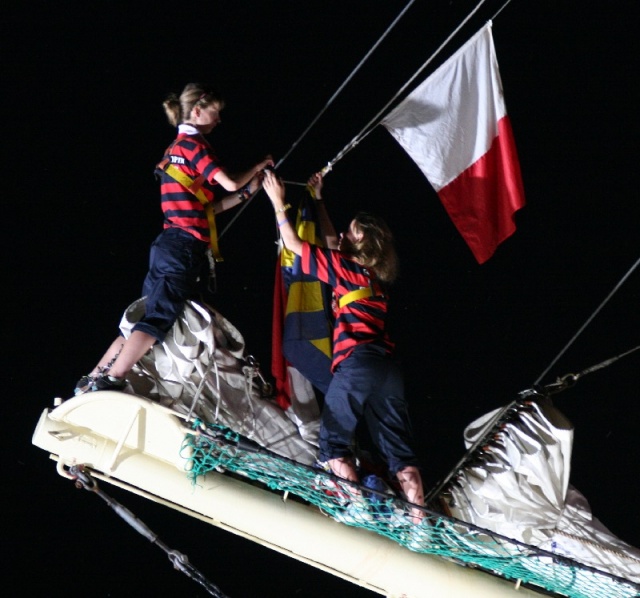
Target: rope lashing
x,y
569,380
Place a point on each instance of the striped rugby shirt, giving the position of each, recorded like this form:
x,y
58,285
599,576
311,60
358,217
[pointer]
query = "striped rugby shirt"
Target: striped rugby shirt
x,y
193,155
358,322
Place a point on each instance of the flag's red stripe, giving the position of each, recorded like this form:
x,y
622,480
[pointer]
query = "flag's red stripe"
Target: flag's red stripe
x,y
483,199
278,361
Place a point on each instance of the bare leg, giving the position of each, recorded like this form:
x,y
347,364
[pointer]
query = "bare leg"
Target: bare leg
x,y
411,483
343,467
110,355
132,350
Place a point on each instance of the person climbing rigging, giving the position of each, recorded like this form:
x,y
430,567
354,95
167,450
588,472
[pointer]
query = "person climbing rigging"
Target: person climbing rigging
x,y
189,174
367,384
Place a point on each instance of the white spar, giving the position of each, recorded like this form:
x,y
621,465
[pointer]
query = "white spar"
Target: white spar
x,y
134,443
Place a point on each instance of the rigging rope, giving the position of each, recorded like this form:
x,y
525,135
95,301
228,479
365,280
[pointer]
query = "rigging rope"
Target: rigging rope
x,y
375,121
559,385
353,72
213,363
568,380
378,509
180,561
378,117
593,315
322,111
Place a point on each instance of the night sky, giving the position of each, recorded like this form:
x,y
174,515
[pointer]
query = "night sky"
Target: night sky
x,y
83,85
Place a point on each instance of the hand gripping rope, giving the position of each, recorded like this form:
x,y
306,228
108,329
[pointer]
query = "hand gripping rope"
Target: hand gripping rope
x,y
369,127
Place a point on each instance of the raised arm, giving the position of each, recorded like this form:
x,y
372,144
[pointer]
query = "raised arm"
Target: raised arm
x,y
243,184
275,190
233,182
327,230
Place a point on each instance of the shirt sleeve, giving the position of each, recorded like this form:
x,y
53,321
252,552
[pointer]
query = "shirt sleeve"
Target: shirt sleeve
x,y
210,167
205,161
320,262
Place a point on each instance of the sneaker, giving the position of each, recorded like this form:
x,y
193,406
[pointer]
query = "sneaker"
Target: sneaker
x,y
381,499
419,536
98,382
83,385
356,513
399,519
331,488
110,383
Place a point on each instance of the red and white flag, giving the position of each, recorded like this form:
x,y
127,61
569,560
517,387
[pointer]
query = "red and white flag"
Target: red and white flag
x,y
455,127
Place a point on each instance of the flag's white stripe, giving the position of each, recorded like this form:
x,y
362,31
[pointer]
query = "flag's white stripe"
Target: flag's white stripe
x,y
448,122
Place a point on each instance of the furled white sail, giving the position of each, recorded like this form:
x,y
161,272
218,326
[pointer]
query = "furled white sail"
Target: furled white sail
x,y
517,484
202,368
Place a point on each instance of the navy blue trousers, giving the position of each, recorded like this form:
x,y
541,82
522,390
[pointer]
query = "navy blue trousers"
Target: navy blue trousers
x,y
368,384
176,263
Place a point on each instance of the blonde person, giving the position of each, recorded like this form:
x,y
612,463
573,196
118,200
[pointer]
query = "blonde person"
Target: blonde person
x,y
191,177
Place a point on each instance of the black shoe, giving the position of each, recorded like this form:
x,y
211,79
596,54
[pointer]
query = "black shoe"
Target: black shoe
x,y
110,383
83,385
98,382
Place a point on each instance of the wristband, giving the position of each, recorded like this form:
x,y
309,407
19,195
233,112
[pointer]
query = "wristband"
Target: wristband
x,y
282,222
244,194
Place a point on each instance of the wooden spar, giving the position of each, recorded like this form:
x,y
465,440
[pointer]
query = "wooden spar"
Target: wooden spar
x,y
134,443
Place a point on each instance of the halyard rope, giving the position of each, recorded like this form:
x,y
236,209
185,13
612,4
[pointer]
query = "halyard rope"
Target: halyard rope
x,y
326,106
591,317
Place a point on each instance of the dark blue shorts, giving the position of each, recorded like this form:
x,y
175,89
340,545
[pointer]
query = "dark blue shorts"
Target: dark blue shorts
x,y
368,384
176,263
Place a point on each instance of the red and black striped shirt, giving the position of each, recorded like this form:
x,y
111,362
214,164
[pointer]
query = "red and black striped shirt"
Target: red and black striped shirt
x,y
358,322
193,155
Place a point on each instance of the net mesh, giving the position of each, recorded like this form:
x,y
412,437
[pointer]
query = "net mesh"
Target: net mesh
x,y
214,447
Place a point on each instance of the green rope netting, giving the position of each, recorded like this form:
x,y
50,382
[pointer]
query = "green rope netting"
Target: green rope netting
x,y
213,447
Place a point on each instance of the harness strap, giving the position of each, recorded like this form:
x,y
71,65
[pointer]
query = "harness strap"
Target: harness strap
x,y
363,293
194,186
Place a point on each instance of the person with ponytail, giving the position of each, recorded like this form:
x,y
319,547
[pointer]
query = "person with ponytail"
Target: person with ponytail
x,y
190,176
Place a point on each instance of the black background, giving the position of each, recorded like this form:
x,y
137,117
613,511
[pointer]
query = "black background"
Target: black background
x,y
83,85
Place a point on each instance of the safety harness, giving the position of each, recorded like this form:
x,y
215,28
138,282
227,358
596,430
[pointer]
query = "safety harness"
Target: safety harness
x,y
194,186
362,293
